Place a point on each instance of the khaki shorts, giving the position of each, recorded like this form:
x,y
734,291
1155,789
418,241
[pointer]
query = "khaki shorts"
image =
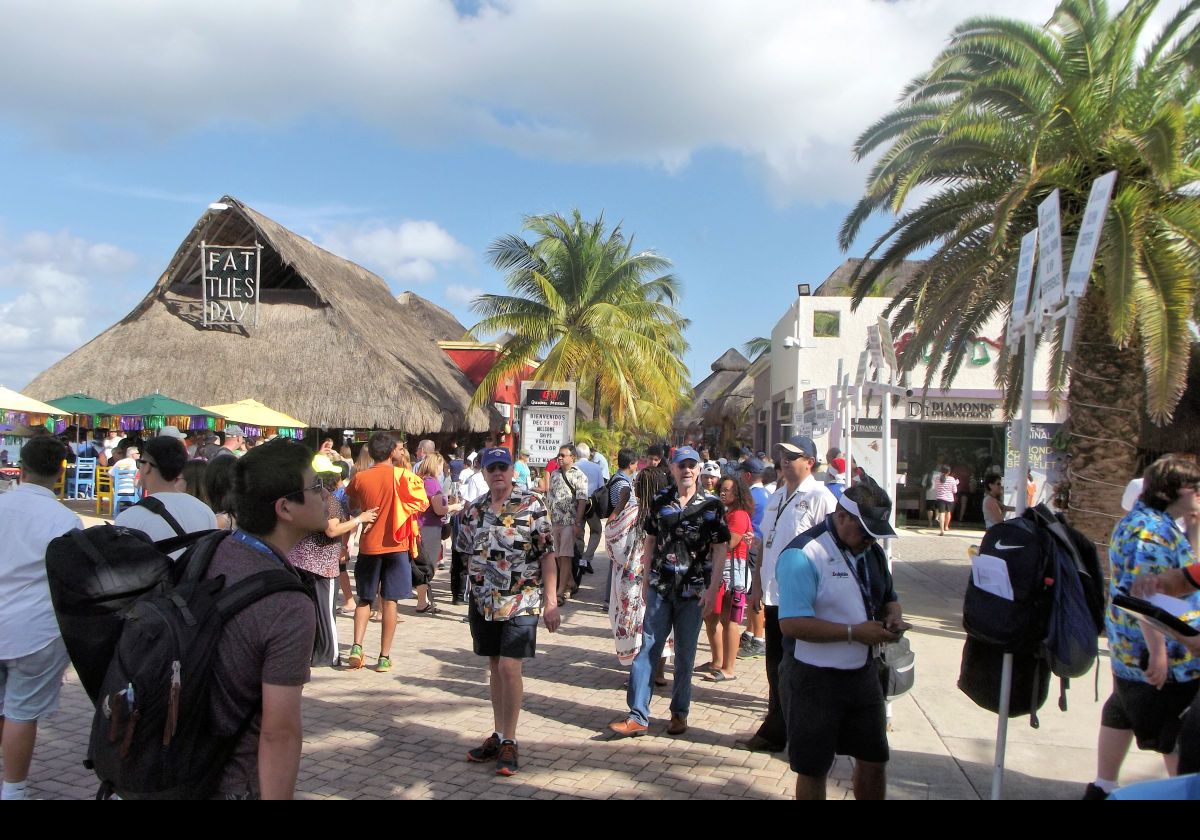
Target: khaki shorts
x,y
564,540
30,685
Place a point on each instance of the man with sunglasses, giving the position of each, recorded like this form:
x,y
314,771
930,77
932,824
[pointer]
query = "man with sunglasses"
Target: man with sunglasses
x,y
166,511
568,498
800,502
838,605
505,535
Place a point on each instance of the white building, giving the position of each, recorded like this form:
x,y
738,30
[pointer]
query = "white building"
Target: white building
x,y
963,425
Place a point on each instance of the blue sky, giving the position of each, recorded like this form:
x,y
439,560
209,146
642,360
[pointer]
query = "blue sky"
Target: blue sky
x,y
407,136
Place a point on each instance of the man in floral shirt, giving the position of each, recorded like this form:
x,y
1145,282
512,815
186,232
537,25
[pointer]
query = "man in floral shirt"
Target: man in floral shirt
x,y
505,535
686,536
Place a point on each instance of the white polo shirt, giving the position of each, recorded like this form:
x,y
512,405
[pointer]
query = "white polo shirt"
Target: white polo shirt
x,y
788,515
30,516
191,514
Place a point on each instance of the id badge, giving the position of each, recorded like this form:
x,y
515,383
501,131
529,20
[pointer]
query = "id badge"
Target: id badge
x,y
770,540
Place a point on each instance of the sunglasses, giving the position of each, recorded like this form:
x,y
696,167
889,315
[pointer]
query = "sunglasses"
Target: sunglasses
x,y
497,467
317,487
142,462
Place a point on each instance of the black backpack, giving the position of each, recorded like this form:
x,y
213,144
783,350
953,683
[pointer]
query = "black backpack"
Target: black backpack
x,y
600,502
151,735
1053,621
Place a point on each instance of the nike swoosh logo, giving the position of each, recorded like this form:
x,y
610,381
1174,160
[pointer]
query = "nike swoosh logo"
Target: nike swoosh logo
x,y
1004,547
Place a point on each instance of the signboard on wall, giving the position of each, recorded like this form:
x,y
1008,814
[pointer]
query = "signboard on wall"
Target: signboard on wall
x,y
950,410
230,283
547,419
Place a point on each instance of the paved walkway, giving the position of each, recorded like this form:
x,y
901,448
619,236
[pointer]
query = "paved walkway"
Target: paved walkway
x,y
405,734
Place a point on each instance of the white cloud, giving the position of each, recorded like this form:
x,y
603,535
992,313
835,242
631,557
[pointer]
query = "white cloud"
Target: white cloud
x,y
50,303
788,84
462,295
411,251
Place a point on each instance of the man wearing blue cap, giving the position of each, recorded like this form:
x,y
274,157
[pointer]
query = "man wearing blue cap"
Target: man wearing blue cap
x,y
686,536
505,534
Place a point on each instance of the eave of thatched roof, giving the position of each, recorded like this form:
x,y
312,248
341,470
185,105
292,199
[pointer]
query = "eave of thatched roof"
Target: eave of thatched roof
x,y
726,370
837,283
733,400
332,344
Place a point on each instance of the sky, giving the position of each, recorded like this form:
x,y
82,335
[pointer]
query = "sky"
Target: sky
x,y
409,136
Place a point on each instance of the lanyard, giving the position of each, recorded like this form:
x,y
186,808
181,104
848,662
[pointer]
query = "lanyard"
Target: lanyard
x,y
779,513
258,545
863,587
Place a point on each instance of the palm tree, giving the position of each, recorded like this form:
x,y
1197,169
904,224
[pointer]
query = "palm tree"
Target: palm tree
x,y
1007,113
596,312
757,346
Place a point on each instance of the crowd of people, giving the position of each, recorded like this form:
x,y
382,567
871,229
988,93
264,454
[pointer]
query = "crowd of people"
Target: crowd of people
x,y
685,535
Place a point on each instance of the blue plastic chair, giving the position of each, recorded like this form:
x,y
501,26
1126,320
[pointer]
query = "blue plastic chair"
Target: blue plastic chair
x,y
83,485
125,489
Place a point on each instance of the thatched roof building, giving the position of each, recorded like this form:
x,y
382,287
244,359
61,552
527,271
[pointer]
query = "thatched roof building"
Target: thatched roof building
x,y
331,344
837,284
726,371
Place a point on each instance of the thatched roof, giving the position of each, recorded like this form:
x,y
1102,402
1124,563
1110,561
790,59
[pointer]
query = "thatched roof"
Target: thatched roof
x,y
837,284
435,320
726,370
332,344
732,402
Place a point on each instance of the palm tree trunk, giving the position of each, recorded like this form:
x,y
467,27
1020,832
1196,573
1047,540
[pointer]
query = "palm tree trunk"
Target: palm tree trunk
x,y
1106,400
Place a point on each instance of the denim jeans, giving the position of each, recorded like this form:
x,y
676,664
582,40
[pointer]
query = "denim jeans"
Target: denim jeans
x,y
686,617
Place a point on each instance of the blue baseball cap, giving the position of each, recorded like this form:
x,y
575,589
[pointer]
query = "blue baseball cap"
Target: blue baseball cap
x,y
752,466
685,453
497,455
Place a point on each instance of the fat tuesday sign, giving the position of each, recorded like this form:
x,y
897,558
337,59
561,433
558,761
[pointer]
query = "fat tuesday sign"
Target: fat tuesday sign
x,y
230,283
547,419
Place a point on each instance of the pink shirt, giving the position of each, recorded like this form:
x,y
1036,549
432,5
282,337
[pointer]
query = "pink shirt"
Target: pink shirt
x,y
945,488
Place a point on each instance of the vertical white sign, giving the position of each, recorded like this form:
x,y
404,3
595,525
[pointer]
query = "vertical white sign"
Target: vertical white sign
x,y
874,344
860,377
1089,234
1050,268
888,346
1020,304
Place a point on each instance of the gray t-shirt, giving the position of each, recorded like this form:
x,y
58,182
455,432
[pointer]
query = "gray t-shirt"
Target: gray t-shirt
x,y
270,642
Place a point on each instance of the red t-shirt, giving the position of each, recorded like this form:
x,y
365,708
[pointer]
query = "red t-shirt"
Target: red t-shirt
x,y
739,523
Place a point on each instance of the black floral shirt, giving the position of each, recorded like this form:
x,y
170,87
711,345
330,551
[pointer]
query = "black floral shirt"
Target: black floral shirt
x,y
683,541
505,554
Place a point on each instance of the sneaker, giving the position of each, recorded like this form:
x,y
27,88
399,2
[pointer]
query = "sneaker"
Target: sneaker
x,y
487,751
753,650
356,656
744,641
506,762
384,664
1093,792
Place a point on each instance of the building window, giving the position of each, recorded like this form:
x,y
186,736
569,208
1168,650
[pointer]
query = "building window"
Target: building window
x,y
827,324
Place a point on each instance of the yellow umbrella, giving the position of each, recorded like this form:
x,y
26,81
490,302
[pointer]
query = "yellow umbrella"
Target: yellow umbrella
x,y
10,400
254,413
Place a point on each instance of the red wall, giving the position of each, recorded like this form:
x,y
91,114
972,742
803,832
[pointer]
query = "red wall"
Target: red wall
x,y
475,363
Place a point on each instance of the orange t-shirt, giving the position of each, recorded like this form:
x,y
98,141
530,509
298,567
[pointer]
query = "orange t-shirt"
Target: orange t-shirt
x,y
399,495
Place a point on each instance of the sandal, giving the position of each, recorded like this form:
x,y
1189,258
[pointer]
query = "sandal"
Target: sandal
x,y
561,600
718,676
428,609
376,616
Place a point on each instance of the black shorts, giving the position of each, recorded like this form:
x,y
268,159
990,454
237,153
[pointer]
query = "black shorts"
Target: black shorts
x,y
1154,715
942,506
832,712
515,638
388,576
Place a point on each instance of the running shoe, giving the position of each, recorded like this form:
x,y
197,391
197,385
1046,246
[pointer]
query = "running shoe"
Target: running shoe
x,y
356,656
487,751
384,664
506,762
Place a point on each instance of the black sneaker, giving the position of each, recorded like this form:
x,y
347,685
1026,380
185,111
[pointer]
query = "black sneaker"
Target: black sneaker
x,y
1093,792
753,650
487,751
506,763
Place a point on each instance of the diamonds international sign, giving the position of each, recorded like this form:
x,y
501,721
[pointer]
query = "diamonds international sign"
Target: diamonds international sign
x,y
230,283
